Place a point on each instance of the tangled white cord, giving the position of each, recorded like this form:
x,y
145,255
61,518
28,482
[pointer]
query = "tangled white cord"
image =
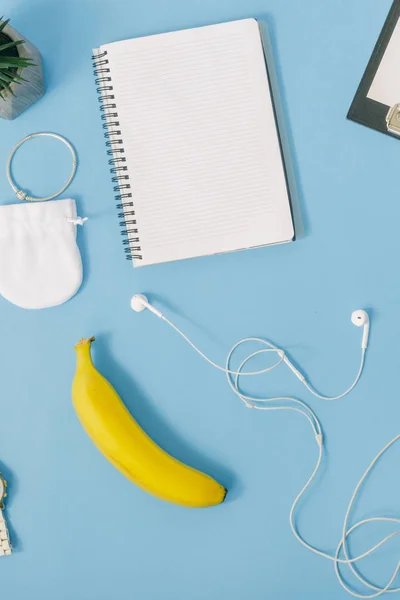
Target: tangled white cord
x,y
293,404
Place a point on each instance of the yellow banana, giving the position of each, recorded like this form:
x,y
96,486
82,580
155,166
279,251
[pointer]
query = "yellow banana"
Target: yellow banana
x,y
123,442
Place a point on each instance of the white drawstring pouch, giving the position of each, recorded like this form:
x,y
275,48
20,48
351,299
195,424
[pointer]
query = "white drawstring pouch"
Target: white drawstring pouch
x,y
40,262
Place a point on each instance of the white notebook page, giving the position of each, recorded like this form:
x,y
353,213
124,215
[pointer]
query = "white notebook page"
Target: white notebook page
x,y
200,139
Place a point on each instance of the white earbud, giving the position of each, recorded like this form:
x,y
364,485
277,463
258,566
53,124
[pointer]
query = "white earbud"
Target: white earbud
x,y
139,303
360,318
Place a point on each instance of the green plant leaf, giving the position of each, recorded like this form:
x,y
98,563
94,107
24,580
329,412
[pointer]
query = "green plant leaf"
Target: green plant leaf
x,y
17,78
6,77
15,62
11,78
3,24
11,68
14,59
11,45
6,88
9,65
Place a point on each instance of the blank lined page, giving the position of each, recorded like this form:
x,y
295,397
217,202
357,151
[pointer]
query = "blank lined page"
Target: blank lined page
x,y
200,140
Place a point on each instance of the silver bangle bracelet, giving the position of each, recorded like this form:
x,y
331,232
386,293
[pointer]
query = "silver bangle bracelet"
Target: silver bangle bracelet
x,y
21,195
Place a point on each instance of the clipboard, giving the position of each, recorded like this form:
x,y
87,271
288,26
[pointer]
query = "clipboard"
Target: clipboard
x,y
377,100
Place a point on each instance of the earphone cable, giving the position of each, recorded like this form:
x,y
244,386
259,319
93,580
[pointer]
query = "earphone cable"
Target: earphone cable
x,y
312,390
269,348
293,404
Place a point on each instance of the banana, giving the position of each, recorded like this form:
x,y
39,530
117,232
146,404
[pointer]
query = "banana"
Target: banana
x,y
123,442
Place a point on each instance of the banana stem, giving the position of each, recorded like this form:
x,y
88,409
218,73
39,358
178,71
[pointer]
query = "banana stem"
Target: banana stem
x,y
82,349
85,341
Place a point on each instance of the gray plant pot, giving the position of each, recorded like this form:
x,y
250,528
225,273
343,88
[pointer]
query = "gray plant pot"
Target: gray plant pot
x,y
26,93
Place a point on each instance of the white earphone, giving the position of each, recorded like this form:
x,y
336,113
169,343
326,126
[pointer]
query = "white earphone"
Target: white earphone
x,y
359,318
139,303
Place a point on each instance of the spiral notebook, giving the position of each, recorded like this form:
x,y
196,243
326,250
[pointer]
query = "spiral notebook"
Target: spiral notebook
x,y
194,148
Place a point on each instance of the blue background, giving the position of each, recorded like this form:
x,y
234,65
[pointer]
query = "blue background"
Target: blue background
x,y
80,529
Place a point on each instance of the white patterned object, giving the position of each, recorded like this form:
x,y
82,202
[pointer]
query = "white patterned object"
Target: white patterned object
x,y
5,545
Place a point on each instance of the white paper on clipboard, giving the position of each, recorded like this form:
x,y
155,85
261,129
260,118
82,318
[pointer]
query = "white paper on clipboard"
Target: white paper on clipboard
x,y
385,87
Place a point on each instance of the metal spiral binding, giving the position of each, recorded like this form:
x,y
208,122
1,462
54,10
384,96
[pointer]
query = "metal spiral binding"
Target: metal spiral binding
x,y
115,149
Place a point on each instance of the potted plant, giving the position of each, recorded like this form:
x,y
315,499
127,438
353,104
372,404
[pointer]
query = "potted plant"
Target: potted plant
x,y
21,72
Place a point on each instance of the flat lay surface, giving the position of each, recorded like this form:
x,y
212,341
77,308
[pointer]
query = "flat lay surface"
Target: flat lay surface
x,y
79,528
